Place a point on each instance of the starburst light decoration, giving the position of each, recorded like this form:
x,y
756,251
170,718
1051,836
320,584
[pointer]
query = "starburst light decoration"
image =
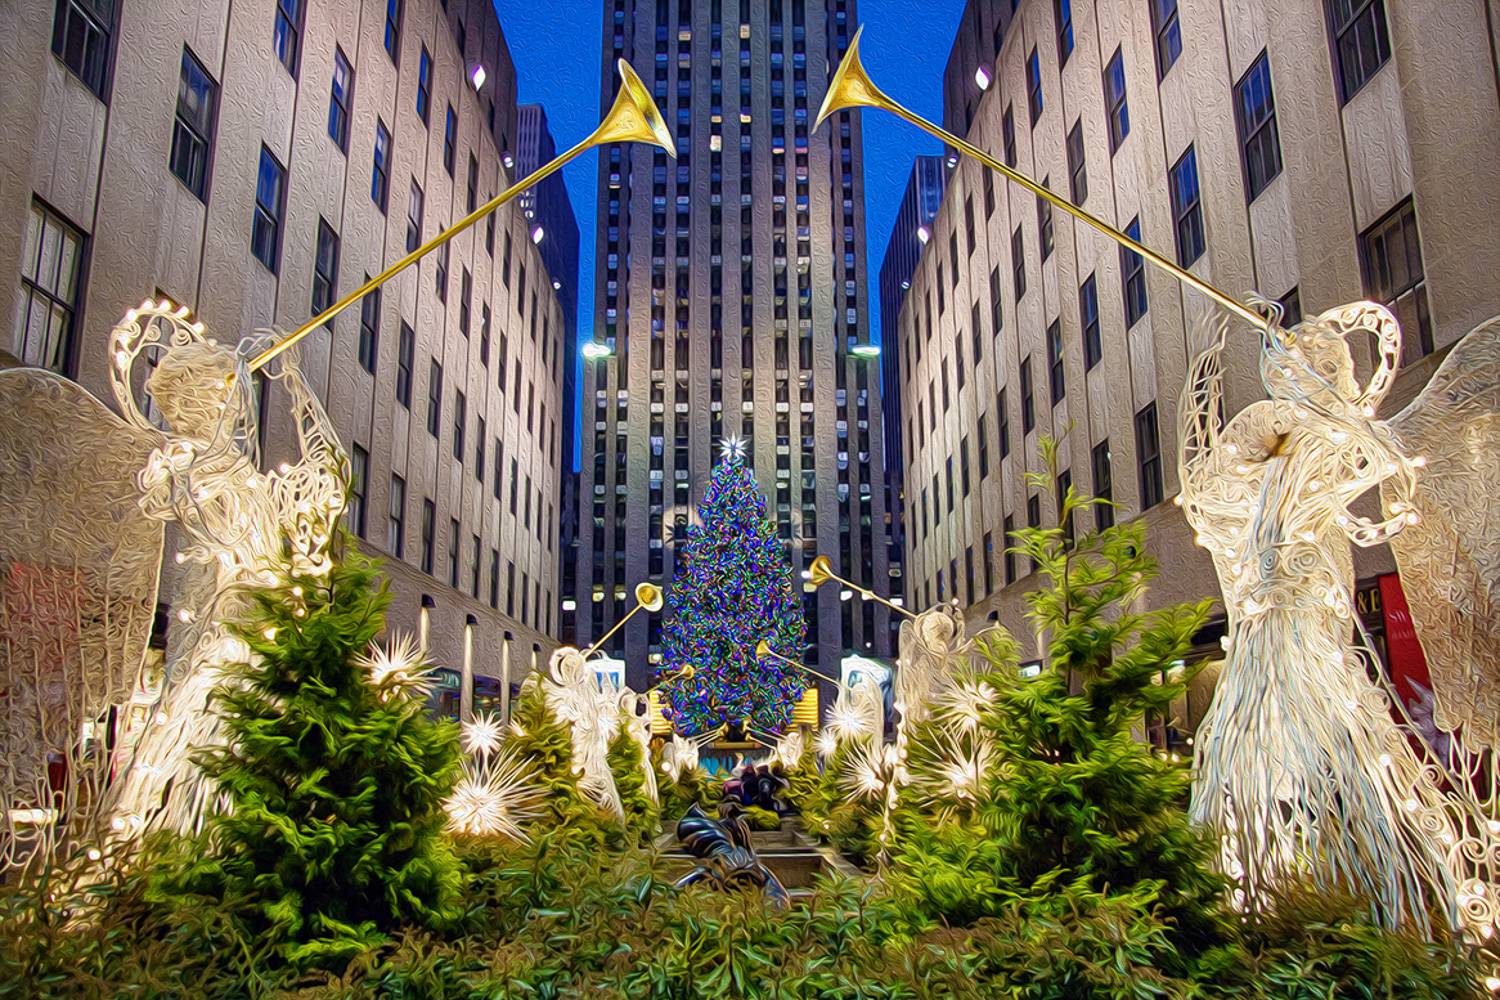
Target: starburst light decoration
x,y
481,735
398,667
496,796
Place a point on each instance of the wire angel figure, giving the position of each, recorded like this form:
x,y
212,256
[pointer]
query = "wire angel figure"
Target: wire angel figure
x,y
1300,764
592,715
89,500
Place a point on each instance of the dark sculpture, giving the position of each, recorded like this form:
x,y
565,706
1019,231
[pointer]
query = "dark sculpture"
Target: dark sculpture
x,y
725,858
760,785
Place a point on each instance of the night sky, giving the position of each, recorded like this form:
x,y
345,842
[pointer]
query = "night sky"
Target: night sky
x,y
555,47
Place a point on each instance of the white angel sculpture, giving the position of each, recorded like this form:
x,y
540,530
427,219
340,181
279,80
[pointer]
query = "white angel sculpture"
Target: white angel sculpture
x,y
87,497
591,715
1300,764
635,717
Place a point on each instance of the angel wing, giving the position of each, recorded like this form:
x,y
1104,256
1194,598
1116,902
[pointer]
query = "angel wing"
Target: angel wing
x,y
1450,558
79,565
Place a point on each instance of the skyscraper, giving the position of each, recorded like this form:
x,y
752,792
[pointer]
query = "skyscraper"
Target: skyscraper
x,y
919,206
730,291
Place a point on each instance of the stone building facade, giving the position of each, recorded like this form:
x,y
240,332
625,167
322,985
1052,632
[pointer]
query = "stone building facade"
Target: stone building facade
x,y
256,161
1313,153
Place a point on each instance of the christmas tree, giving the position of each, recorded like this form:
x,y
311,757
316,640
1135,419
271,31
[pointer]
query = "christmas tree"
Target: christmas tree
x,y
336,775
733,588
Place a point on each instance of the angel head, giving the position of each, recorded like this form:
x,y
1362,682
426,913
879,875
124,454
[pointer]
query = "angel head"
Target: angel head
x,y
940,625
1311,365
192,385
566,667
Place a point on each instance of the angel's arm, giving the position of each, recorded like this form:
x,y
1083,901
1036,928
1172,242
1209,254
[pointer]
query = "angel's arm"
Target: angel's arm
x,y
1198,414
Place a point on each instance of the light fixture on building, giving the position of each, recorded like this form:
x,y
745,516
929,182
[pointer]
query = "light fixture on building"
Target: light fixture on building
x,y
982,78
537,234
866,350
923,235
477,77
952,160
556,285
508,160
905,284
594,350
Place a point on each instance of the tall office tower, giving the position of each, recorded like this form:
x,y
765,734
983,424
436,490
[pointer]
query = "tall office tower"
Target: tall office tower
x,y
731,290
1323,155
912,231
554,229
256,162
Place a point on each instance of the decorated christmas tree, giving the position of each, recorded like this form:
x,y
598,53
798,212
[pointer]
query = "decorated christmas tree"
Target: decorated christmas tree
x,y
733,588
336,776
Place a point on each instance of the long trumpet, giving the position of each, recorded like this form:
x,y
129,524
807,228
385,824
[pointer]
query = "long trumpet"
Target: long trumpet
x,y
821,571
648,596
686,673
851,88
763,649
632,118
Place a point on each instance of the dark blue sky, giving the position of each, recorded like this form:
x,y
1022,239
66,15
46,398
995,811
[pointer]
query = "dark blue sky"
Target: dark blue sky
x,y
555,47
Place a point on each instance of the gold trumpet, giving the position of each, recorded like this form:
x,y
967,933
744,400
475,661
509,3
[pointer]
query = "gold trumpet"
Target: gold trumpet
x,y
686,673
821,571
851,88
648,596
632,118
763,649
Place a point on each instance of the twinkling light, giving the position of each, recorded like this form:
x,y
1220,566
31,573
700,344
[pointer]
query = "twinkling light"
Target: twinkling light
x,y
963,704
481,734
864,772
399,667
495,798
733,588
826,743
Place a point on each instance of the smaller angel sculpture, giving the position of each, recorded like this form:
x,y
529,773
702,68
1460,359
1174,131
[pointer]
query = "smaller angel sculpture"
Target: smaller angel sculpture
x,y
1300,763
591,715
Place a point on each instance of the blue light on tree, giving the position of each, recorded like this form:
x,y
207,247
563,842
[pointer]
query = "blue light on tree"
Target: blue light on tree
x,y
733,588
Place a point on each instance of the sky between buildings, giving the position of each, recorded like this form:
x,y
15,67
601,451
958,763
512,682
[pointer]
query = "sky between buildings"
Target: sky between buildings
x,y
555,47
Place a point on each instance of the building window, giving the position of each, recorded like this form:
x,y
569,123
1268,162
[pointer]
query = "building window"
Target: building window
x,y
1028,402
1063,10
465,292
1088,315
193,128
340,95
1291,308
1168,34
429,533
1044,233
440,272
1255,116
1002,423
1078,173
1018,262
1117,110
471,197
1104,488
1056,376
380,172
82,32
50,268
1361,41
495,578
414,218
1391,259
369,329
474,569
1187,208
1008,135
434,397
393,28
453,533
270,196
405,349
450,139
1034,87
424,85
286,36
1009,541
996,313
1133,276
1148,456
479,451
325,268
359,487
395,529
460,418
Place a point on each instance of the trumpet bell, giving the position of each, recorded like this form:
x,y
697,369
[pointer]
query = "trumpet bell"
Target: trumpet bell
x,y
851,86
762,649
634,116
820,572
648,596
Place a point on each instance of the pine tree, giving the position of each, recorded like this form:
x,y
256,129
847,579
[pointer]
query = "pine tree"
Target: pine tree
x,y
734,588
626,764
1077,812
337,780
537,735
